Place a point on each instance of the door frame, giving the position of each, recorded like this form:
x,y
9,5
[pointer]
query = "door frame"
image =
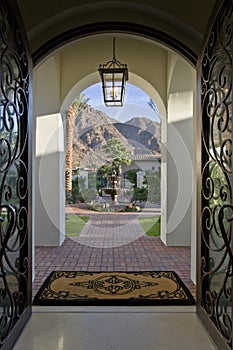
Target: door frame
x,y
211,328
147,32
21,314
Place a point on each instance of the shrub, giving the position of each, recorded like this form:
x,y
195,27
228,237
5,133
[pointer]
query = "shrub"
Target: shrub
x,y
140,194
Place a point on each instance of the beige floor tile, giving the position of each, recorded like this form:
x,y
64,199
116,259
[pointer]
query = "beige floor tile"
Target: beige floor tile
x,y
99,329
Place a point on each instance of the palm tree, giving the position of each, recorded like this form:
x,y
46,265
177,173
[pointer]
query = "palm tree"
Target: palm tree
x,y
153,106
71,115
117,151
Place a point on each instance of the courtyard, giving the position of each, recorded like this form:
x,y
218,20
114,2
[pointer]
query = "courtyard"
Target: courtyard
x,y
112,242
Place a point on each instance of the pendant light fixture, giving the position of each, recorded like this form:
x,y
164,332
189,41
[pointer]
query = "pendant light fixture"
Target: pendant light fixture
x,y
114,76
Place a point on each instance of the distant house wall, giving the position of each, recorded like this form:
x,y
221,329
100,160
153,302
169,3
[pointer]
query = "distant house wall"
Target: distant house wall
x,y
144,164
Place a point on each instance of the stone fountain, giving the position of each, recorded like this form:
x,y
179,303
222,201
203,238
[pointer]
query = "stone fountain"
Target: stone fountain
x,y
113,191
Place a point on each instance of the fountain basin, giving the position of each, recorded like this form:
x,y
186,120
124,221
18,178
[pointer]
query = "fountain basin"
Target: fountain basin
x,y
113,192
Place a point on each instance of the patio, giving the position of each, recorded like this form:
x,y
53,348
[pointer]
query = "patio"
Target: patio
x,y
112,242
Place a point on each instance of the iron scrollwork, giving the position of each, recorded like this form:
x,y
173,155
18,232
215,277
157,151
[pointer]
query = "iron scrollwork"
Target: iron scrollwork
x,y
14,97
217,206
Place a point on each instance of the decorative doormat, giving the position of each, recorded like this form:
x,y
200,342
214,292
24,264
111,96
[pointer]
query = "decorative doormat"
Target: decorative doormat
x,y
113,288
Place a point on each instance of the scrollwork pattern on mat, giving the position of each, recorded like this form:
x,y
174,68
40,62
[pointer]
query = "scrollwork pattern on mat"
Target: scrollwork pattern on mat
x,y
154,287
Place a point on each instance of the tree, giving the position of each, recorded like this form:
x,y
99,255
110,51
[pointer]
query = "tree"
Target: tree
x,y
153,106
131,175
102,176
117,151
71,114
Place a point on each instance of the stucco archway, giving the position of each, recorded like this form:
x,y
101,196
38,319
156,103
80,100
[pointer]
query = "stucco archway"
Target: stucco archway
x,y
69,71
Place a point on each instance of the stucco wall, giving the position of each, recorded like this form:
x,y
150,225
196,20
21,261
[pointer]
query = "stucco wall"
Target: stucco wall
x,y
178,160
82,58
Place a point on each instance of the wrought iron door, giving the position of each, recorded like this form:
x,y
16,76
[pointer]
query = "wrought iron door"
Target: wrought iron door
x,y
215,181
15,175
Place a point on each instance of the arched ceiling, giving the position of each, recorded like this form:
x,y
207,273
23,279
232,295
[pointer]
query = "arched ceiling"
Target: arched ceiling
x,y
181,19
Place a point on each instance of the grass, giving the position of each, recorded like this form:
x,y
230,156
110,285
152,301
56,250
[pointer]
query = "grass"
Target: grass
x,y
75,224
150,225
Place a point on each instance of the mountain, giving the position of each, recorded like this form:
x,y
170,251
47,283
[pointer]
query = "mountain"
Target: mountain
x,y
98,135
146,124
92,128
84,155
141,134
89,118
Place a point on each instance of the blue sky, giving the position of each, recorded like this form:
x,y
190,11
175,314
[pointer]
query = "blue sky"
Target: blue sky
x,y
135,103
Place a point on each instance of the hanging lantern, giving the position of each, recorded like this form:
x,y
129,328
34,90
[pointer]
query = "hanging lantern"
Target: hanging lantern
x,y
114,76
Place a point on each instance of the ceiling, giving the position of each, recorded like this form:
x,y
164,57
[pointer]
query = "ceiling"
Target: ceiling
x,y
184,20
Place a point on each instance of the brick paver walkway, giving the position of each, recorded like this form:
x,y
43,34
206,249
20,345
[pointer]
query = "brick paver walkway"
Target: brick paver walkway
x,y
112,242
110,230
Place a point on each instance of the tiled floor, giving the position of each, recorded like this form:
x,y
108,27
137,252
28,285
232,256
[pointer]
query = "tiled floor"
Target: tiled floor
x,y
114,330
112,242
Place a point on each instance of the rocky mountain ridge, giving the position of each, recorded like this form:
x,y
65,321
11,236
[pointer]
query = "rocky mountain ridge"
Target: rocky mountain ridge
x,y
92,128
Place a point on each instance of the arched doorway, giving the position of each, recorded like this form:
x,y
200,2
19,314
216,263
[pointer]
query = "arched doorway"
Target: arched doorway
x,y
82,50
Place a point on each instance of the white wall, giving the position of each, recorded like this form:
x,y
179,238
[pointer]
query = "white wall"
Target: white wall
x,y
49,156
179,168
178,165
50,200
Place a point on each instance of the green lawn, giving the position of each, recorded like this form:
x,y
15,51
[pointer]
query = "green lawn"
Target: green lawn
x,y
150,225
75,224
